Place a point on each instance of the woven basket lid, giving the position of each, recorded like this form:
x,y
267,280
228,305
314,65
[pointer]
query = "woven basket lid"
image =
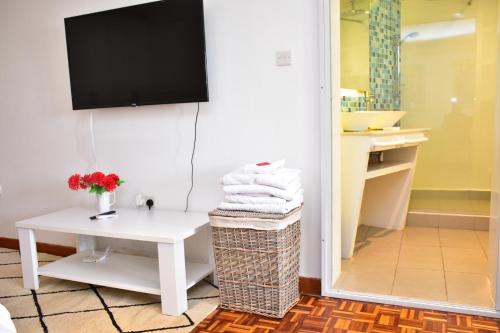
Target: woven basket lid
x,y
245,214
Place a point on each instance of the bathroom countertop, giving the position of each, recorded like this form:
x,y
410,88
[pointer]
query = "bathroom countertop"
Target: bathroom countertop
x,y
384,133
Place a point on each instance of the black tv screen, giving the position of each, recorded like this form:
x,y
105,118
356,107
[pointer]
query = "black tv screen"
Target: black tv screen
x,y
152,53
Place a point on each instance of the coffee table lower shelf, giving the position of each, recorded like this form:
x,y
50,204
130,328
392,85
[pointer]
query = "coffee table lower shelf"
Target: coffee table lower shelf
x,y
121,271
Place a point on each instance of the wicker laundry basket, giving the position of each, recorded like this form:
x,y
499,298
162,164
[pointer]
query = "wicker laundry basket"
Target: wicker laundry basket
x,y
258,270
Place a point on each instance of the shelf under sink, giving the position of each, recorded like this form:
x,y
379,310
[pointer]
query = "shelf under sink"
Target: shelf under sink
x,y
386,168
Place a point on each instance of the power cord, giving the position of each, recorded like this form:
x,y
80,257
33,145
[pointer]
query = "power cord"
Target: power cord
x,y
192,157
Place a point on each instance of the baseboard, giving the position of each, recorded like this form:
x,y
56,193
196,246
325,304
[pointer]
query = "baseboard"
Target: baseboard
x,y
58,250
431,219
311,286
307,285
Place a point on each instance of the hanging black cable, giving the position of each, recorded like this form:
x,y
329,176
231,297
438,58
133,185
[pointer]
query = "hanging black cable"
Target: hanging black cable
x,y
192,158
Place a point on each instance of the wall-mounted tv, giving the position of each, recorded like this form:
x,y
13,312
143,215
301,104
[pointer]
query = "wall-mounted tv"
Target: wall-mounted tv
x,y
153,53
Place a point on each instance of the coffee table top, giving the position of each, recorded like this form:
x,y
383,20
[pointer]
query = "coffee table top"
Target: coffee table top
x,y
160,226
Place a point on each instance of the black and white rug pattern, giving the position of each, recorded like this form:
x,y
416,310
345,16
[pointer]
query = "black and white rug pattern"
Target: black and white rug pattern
x,y
60,306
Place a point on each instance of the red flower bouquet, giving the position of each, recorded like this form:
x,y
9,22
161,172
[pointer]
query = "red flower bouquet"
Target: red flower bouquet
x,y
96,182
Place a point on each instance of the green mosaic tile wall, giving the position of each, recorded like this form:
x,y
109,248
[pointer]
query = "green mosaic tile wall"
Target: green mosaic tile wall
x,y
350,104
384,37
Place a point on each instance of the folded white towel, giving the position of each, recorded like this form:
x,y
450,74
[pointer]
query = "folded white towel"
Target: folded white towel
x,y
264,167
246,199
263,208
281,179
288,194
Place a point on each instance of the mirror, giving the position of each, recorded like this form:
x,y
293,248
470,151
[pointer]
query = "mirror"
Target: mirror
x,y
370,34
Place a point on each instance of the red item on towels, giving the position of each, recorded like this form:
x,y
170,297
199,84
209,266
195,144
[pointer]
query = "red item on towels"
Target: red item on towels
x,y
263,164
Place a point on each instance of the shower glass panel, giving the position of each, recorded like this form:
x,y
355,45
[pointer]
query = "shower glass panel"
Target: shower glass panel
x,y
448,83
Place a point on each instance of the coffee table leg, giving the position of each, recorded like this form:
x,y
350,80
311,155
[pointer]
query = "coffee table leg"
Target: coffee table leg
x,y
211,258
29,258
172,278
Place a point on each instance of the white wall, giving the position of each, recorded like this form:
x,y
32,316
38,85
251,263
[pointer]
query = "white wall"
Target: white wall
x,y
257,111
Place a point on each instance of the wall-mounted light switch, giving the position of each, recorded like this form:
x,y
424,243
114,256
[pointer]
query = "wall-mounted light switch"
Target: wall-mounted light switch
x,y
284,58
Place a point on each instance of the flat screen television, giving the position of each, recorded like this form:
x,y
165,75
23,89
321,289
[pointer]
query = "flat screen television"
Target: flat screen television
x,y
153,53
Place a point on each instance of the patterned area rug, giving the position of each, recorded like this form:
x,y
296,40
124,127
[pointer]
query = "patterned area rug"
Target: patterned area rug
x,y
60,306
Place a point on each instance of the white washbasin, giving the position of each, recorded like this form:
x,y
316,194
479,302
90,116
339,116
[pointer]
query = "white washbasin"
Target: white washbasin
x,y
363,120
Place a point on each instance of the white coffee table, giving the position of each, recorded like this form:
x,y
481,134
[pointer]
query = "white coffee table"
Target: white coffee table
x,y
169,276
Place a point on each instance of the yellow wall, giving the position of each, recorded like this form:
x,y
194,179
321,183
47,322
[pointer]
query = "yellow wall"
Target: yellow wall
x,y
434,72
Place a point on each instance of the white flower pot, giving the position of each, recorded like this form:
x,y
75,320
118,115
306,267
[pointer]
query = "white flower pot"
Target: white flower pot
x,y
105,202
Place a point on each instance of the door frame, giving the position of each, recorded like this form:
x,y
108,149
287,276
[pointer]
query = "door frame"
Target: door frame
x,y
329,46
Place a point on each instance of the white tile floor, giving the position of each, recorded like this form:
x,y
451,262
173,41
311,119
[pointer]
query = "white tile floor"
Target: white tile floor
x,y
427,263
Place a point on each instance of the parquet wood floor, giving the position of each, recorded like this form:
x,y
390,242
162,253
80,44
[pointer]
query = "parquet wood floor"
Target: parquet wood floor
x,y
329,315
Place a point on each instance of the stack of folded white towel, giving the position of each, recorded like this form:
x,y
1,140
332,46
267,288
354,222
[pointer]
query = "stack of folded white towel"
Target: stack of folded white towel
x,y
264,188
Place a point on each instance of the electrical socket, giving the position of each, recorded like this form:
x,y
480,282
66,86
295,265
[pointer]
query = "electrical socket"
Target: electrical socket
x,y
140,199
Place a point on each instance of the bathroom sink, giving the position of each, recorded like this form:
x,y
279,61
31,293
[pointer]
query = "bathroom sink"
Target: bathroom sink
x,y
363,120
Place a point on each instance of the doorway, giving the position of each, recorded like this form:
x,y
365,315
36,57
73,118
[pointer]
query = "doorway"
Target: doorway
x,y
437,212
